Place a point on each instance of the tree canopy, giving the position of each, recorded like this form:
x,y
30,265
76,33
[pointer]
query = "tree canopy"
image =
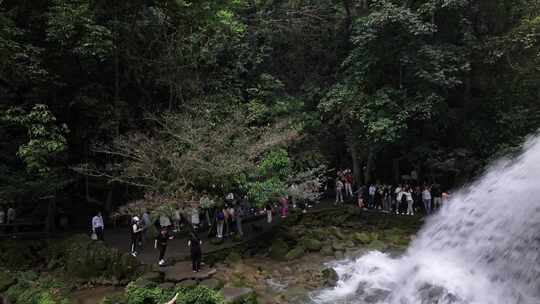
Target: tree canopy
x,y
111,100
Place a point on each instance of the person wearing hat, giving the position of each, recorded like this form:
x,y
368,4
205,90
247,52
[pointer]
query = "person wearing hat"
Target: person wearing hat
x,y
136,230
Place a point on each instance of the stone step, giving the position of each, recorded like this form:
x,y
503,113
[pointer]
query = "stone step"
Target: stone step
x,y
182,272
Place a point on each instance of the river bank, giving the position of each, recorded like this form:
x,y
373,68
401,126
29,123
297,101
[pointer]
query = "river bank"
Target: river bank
x,y
283,264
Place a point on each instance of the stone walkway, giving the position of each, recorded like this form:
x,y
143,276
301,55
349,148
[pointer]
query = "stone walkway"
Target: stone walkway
x,y
177,248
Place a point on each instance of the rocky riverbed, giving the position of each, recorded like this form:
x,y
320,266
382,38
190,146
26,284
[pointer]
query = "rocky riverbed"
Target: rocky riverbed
x,y
284,265
296,262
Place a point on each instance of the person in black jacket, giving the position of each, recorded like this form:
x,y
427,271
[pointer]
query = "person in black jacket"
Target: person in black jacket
x,y
196,252
161,243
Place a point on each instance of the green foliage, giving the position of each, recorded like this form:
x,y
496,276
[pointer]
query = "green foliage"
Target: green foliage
x,y
155,295
86,259
72,25
295,253
440,85
278,250
32,289
45,139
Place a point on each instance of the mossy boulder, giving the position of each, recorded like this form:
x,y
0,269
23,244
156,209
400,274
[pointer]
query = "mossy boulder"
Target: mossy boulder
x,y
362,237
376,245
338,246
6,280
87,259
311,244
233,258
295,253
278,250
327,251
330,277
338,233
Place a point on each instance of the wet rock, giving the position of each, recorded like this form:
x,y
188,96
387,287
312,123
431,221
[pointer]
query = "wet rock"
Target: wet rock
x,y
311,244
436,294
295,253
377,295
362,237
234,295
339,255
376,245
330,277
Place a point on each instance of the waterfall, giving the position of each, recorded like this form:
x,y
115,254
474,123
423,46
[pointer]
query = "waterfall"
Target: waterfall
x,y
482,247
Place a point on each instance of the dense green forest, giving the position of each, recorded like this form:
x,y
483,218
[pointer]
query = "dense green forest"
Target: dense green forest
x,y
105,101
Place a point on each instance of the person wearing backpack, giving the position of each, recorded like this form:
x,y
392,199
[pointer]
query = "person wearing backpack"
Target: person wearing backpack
x,y
136,230
220,219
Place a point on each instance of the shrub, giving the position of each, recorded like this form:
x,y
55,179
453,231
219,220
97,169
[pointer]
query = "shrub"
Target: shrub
x,y
31,289
87,259
152,294
295,253
278,250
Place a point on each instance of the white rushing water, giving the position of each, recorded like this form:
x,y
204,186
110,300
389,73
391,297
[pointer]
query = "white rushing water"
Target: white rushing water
x,y
483,247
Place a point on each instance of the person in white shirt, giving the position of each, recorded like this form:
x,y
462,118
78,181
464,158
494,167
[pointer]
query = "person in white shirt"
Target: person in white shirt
x,y
399,195
11,215
372,190
409,198
426,198
98,226
195,218
339,191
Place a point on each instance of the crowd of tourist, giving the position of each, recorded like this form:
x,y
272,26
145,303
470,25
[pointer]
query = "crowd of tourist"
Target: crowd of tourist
x,y
403,199
225,219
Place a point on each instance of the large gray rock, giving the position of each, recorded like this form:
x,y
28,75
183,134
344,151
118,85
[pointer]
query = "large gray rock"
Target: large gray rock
x,y
152,276
211,283
233,295
187,283
182,272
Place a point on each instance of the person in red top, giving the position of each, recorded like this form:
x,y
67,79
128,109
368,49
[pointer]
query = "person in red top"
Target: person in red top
x,y
348,183
284,202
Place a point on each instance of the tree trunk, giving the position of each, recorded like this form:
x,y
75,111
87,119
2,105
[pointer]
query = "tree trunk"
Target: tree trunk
x,y
356,165
109,201
395,167
369,166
